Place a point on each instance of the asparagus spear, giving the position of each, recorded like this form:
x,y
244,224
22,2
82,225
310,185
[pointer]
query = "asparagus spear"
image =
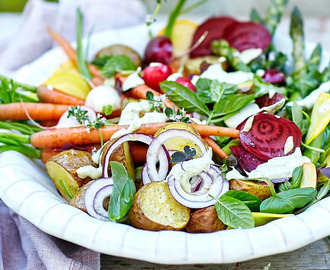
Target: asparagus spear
x,y
325,76
274,14
221,48
297,36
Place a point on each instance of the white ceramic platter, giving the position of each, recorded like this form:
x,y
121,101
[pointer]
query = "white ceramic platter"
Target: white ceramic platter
x,y
26,189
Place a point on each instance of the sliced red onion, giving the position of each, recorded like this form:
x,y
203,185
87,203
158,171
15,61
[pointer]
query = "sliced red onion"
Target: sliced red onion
x,y
155,147
95,194
144,175
198,199
147,139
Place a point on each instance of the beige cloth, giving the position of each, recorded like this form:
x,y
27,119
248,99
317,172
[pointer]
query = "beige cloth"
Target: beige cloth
x,y
32,40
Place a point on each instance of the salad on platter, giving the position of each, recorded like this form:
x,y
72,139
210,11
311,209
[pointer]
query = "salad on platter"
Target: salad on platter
x,y
211,129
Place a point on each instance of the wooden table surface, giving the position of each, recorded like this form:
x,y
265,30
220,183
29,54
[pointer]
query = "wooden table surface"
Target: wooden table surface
x,y
312,257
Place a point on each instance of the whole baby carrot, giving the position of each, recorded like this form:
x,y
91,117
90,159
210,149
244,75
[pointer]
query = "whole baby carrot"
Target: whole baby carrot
x,y
36,111
81,135
54,96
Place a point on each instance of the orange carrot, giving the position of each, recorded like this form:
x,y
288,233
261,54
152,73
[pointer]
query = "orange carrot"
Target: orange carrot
x,y
81,135
37,111
47,95
70,52
97,81
138,151
215,147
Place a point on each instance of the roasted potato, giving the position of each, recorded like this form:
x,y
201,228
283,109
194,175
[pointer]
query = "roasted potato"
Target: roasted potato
x,y
121,49
205,221
193,65
62,167
121,154
260,190
155,209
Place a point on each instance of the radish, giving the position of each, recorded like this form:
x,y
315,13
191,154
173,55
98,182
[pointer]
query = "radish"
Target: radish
x,y
267,136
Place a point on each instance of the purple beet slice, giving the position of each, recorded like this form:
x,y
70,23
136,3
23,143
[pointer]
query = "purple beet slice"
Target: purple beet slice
x,y
265,101
247,35
215,28
246,160
273,76
267,136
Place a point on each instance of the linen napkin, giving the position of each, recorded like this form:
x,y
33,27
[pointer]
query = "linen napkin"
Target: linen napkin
x,y
22,245
32,40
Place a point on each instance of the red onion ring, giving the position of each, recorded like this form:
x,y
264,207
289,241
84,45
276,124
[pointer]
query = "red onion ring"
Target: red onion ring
x,y
95,195
197,200
162,154
155,147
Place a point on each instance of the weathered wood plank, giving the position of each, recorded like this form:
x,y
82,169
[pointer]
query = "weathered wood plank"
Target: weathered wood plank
x,y
316,256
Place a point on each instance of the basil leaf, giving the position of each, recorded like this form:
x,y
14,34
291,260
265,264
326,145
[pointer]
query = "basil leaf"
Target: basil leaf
x,y
183,97
178,157
203,89
216,90
297,175
232,103
285,202
117,63
123,192
234,213
248,199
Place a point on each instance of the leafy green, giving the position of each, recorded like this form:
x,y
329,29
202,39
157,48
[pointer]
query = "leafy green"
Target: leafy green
x,y
261,88
107,110
203,89
297,175
82,63
117,63
248,199
183,97
123,192
286,201
234,213
325,76
216,90
297,116
255,16
272,60
232,104
315,58
101,60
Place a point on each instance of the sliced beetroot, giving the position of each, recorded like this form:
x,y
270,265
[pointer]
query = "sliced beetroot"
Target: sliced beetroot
x,y
215,28
246,160
273,76
266,100
267,136
247,35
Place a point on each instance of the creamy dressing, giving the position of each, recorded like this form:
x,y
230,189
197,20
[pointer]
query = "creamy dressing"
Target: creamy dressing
x,y
155,64
250,54
131,116
89,171
274,107
216,71
260,72
288,146
102,96
188,169
248,124
271,94
278,167
309,101
173,77
66,122
133,80
242,114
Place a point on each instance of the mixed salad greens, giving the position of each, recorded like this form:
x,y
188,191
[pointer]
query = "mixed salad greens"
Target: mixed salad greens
x,y
212,129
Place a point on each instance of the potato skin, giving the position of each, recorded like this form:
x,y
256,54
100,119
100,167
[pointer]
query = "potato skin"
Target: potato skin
x,y
78,200
205,221
259,190
139,219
